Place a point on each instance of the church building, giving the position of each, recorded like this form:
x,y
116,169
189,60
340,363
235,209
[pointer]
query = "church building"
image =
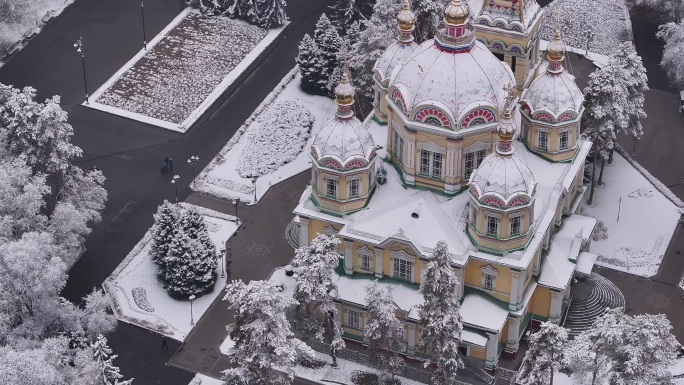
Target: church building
x,y
462,147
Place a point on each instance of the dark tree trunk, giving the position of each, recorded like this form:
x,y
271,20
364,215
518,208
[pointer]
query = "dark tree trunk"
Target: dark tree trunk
x,y
610,159
603,164
593,179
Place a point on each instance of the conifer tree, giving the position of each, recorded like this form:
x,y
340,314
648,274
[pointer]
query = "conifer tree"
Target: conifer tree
x,y
246,10
315,290
429,14
439,315
270,13
108,373
192,223
346,12
310,66
544,356
210,7
163,229
189,266
329,45
265,349
383,331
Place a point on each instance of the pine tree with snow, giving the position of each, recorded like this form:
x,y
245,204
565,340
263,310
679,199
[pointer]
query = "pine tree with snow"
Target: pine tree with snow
x,y
246,10
329,45
163,230
229,8
379,32
192,223
383,331
265,349
189,266
605,103
270,13
353,34
429,14
310,66
210,7
316,290
673,53
544,355
669,10
109,374
346,12
439,315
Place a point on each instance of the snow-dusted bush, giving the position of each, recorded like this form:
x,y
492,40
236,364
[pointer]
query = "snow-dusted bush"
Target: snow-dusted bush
x,y
600,232
140,298
277,138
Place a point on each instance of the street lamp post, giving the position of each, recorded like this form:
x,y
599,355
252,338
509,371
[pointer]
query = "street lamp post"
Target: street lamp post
x,y
590,37
192,319
79,48
223,263
235,202
192,162
142,9
254,179
174,181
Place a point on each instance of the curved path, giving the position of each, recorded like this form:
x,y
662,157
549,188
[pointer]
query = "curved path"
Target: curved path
x,y
584,311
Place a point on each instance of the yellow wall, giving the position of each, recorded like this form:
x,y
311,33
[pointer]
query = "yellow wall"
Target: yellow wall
x,y
542,301
478,352
473,276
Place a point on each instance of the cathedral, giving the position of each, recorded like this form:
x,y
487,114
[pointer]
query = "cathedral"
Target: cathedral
x,y
473,141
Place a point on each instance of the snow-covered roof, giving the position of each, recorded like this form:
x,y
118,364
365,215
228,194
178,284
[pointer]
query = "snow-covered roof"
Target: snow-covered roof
x,y
483,312
556,93
504,176
585,262
473,338
461,81
343,140
398,52
557,268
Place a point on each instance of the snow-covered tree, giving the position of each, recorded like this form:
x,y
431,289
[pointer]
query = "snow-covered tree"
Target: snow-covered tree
x,y
22,199
345,12
439,315
270,13
192,223
108,373
383,331
210,7
669,10
315,290
246,10
673,52
265,348
605,100
310,66
188,266
544,356
163,230
379,32
429,14
329,45
353,34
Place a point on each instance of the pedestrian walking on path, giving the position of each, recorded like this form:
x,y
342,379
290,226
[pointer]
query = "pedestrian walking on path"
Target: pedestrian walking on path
x,y
171,164
164,345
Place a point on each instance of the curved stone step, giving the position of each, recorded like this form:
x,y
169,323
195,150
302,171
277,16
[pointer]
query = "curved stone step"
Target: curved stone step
x,y
292,234
583,313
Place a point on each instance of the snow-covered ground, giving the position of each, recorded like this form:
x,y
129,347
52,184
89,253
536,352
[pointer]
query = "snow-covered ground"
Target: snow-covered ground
x,y
19,18
151,307
201,379
607,19
221,179
184,70
637,242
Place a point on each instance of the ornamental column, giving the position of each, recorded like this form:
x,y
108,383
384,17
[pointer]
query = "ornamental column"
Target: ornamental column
x,y
378,259
492,350
303,231
348,257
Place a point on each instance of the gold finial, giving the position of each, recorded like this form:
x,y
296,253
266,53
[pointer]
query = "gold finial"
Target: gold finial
x,y
405,18
506,128
455,13
344,92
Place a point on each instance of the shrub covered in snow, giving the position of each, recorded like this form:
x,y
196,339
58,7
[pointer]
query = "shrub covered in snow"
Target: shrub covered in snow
x,y
140,298
600,232
277,138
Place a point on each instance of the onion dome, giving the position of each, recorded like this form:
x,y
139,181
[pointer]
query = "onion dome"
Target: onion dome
x,y
503,174
403,48
555,89
344,138
455,13
405,18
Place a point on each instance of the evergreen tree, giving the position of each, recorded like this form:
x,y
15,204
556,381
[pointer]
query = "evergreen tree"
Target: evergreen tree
x,y
379,32
353,34
346,12
439,315
189,266
315,291
109,374
163,229
329,45
210,7
673,54
246,10
544,356
383,331
270,13
310,66
429,14
605,105
229,8
265,349
192,223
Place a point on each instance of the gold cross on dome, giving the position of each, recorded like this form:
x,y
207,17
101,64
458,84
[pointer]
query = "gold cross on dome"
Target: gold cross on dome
x,y
509,90
343,56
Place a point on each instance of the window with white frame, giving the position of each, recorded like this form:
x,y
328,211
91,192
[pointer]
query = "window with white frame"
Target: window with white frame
x,y
431,163
564,140
331,187
353,319
488,282
488,278
543,140
492,226
473,216
398,147
472,161
353,188
479,157
365,259
515,226
403,269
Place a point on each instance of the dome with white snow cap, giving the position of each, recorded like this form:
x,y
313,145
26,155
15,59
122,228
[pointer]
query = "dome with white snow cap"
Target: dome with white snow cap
x,y
400,50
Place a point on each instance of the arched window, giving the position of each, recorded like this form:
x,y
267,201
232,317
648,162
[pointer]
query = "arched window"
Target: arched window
x,y
477,121
433,121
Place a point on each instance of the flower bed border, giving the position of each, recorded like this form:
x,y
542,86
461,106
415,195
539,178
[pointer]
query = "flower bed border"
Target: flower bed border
x,y
233,76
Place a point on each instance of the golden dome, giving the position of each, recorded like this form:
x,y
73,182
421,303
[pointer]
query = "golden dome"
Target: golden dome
x,y
344,92
455,13
556,48
405,18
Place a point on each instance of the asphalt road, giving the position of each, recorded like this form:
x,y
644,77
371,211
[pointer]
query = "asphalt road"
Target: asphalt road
x,y
130,153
